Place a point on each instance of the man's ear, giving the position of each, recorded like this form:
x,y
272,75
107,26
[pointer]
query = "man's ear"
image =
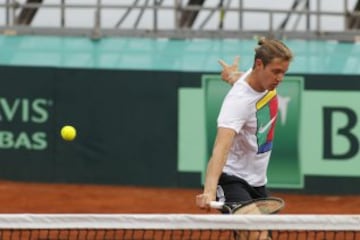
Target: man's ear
x,y
259,63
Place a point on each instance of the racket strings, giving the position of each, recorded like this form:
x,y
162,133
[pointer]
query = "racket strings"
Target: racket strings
x,y
266,206
269,207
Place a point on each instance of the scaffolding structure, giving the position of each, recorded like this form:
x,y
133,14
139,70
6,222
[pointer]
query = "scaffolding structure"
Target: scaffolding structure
x,y
189,19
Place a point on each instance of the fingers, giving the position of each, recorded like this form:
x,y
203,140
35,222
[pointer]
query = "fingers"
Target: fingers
x,y
235,64
223,63
202,201
236,61
230,73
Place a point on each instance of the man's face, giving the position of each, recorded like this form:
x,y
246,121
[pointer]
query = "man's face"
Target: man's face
x,y
273,73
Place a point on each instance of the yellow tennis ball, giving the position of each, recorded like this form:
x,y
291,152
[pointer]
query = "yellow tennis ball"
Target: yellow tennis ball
x,y
68,133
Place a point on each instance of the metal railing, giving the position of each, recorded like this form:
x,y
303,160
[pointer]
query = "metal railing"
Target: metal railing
x,y
312,27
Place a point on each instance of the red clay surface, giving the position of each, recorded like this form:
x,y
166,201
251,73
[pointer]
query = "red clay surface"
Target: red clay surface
x,y
17,197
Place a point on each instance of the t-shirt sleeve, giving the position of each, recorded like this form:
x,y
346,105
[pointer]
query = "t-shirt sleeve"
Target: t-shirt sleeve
x,y
234,113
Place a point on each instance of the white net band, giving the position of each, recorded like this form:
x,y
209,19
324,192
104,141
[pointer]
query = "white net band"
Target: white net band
x,y
180,221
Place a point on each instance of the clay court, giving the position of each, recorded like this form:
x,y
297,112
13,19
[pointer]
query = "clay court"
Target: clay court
x,y
18,197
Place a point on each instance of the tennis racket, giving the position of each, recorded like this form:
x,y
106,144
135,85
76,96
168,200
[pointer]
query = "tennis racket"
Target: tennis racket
x,y
268,205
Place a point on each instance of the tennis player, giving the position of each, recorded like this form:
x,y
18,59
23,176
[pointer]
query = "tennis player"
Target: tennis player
x,y
237,168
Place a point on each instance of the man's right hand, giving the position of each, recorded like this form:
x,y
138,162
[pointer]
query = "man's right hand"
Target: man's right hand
x,y
203,201
230,73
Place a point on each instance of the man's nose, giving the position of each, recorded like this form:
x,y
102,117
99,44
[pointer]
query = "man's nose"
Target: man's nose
x,y
280,77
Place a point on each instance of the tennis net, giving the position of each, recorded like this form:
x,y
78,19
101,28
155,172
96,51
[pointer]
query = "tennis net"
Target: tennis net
x,y
176,226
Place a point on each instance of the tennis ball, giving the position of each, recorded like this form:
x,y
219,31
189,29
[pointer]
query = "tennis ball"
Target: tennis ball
x,y
68,133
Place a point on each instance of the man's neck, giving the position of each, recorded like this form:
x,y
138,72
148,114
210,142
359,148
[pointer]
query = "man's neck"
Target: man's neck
x,y
253,82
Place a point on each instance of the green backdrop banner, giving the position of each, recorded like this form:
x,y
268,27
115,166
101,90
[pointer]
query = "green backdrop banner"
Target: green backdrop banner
x,y
317,137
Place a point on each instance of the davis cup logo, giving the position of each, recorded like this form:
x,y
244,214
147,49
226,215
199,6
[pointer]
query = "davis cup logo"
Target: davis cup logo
x,y
19,117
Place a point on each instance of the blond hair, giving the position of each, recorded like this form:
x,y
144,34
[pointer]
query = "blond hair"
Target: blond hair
x,y
270,49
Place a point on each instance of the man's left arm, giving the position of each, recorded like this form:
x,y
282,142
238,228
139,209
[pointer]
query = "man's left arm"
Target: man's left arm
x,y
230,73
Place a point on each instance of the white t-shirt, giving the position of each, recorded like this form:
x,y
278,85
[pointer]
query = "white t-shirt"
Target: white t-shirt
x,y
252,115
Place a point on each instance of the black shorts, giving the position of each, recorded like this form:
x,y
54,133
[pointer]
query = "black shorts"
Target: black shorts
x,y
233,189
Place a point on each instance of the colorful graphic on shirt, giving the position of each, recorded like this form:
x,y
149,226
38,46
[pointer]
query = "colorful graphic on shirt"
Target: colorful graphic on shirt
x,y
266,114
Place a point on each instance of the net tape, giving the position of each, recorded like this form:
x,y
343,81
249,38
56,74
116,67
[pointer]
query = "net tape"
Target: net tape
x,y
169,235
180,221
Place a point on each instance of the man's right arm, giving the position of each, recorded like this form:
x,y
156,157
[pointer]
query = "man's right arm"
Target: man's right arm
x,y
223,142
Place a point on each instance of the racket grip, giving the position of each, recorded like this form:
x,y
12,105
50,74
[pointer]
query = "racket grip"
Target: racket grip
x,y
217,205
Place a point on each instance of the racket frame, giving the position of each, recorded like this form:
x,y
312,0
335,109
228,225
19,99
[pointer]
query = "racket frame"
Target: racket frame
x,y
233,207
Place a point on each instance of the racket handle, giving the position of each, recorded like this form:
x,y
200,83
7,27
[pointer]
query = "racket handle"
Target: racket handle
x,y
217,205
